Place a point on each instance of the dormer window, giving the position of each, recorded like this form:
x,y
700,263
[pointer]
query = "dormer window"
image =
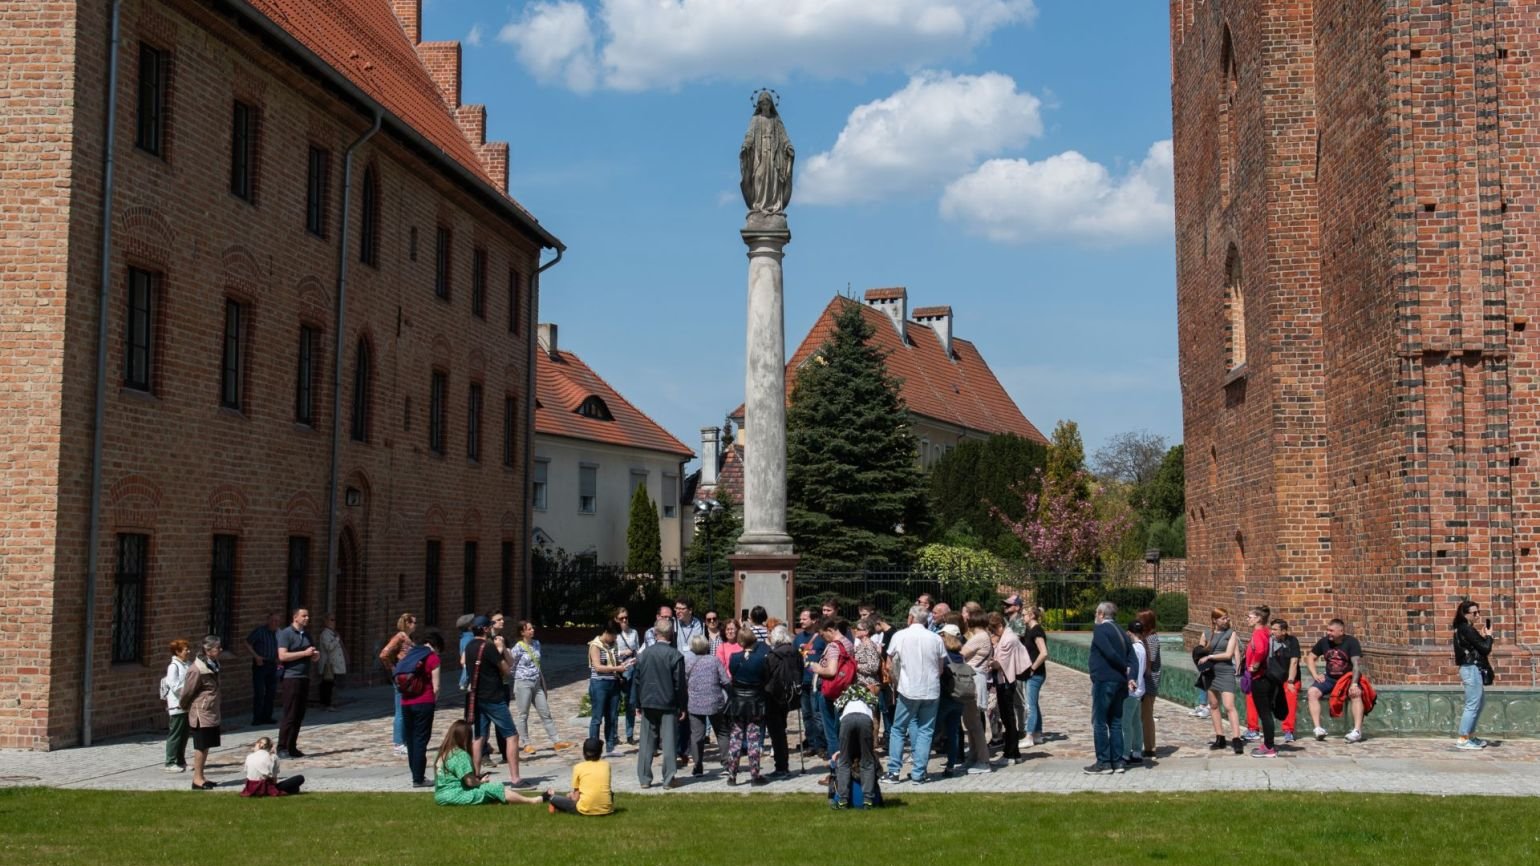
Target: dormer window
x,y
594,408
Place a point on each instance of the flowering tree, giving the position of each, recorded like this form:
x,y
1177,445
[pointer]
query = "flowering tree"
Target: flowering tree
x,y
1062,531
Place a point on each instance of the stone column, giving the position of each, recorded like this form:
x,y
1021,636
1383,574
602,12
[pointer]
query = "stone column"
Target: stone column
x,y
764,452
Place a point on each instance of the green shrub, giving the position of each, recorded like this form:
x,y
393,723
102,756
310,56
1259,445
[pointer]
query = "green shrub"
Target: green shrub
x,y
1171,611
1130,600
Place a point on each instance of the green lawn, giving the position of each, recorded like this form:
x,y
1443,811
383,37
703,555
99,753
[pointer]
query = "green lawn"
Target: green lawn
x,y
40,826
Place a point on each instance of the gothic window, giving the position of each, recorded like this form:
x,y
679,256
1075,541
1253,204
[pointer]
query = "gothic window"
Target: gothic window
x,y
1235,307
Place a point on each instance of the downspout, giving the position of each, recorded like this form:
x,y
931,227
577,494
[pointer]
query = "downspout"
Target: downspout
x,y
104,292
531,328
340,346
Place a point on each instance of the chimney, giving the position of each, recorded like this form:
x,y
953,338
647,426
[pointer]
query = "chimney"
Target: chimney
x,y
442,60
409,13
940,321
710,448
894,302
547,336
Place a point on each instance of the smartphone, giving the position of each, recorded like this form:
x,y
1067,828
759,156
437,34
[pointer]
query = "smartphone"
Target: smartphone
x,y
1489,623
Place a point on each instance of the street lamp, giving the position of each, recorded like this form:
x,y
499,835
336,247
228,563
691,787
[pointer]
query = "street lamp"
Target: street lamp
x,y
704,509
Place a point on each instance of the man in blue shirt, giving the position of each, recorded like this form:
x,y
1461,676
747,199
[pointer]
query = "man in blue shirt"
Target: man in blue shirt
x,y
262,643
1112,658
297,654
809,646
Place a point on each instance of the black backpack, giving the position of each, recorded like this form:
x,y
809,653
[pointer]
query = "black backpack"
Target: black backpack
x,y
783,679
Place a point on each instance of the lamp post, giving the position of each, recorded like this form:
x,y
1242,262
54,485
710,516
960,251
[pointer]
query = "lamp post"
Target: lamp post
x,y
705,509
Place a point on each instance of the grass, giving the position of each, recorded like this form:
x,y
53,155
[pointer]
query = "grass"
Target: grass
x,y
42,826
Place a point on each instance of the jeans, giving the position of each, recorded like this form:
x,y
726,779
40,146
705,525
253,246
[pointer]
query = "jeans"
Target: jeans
x,y
1107,721
812,724
603,705
949,723
654,724
1475,698
264,685
831,722
1133,727
398,728
418,719
1034,715
525,693
914,719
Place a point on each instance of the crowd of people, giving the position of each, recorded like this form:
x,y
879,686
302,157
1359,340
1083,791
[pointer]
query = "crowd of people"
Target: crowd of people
x,y
962,685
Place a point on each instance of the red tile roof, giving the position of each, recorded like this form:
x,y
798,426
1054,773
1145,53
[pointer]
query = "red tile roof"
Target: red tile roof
x,y
562,386
961,391
930,312
363,40
886,294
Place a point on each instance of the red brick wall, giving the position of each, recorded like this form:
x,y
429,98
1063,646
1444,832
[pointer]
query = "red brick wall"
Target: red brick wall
x,y
1376,454
177,465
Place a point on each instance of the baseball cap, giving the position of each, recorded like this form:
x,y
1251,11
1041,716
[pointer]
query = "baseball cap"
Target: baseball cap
x,y
951,629
464,622
480,622
1013,600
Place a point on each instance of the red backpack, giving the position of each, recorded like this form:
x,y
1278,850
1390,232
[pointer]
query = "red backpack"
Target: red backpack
x,y
844,674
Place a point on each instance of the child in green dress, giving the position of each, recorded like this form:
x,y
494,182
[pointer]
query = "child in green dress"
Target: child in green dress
x,y
456,782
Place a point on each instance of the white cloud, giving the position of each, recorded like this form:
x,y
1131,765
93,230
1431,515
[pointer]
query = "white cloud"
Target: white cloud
x,y
474,37
1065,197
645,44
938,126
556,42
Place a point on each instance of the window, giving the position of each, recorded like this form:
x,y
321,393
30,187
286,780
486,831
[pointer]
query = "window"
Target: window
x,y
505,575
222,588
638,479
308,374
670,496
441,264
299,570
479,283
150,120
595,408
243,152
128,597
369,219
1235,301
1229,124
588,489
411,243
139,340
433,561
538,484
513,301
468,587
438,411
473,422
316,180
231,369
363,378
510,418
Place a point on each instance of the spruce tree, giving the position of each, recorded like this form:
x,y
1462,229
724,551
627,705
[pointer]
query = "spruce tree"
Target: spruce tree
x,y
644,542
1066,475
855,493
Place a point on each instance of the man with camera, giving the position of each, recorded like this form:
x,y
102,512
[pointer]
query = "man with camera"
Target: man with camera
x,y
487,658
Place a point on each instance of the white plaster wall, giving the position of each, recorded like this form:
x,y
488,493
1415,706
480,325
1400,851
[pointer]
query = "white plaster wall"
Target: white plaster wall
x,y
603,533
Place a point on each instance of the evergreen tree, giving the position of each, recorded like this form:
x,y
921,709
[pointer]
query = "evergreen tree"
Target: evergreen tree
x,y
1066,475
855,493
974,475
716,535
644,542
1161,503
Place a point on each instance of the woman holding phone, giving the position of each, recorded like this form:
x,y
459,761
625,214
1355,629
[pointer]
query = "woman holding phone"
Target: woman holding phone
x,y
1472,645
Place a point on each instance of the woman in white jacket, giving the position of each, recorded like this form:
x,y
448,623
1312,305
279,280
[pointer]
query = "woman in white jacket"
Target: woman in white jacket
x,y
334,662
1133,724
171,693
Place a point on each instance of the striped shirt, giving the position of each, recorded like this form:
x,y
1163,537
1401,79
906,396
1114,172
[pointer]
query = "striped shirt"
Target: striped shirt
x,y
265,642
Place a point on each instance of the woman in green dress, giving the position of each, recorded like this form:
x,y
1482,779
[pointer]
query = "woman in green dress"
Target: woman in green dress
x,y
456,782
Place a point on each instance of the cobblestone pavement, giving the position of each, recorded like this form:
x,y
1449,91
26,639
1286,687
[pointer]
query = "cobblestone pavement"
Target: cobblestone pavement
x,y
350,750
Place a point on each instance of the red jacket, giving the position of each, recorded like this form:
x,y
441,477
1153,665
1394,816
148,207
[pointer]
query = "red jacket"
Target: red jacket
x,y
1339,695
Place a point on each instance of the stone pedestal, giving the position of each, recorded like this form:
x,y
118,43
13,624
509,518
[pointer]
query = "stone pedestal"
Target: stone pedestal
x,y
764,427
764,580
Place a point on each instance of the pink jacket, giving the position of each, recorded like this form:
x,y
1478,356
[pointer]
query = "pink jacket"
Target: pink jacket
x,y
1011,653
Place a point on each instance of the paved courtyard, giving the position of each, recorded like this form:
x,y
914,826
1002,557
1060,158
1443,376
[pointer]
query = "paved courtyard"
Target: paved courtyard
x,y
350,750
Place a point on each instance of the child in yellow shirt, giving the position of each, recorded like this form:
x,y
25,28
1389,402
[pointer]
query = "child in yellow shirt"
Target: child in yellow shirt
x,y
591,794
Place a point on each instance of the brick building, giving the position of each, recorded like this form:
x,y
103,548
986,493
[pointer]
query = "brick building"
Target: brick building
x,y
1356,205
233,212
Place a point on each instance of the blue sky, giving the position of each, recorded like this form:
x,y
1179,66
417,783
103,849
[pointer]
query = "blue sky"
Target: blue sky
x,y
1008,158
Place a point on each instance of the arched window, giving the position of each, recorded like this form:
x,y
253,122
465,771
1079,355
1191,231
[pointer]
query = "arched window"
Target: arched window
x,y
363,376
1229,124
1235,307
594,408
369,219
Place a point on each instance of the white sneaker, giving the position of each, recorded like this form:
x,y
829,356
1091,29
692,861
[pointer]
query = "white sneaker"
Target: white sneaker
x,y
175,768
1354,736
399,749
980,770
1320,734
1468,745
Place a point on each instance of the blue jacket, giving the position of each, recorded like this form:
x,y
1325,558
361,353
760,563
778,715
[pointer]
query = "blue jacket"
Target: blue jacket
x,y
1112,654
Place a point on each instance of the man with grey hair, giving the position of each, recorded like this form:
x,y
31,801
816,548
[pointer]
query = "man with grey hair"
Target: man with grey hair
x,y
917,656
1112,663
661,692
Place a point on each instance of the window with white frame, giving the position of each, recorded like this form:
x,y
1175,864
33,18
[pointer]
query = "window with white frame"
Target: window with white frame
x,y
538,487
670,495
588,488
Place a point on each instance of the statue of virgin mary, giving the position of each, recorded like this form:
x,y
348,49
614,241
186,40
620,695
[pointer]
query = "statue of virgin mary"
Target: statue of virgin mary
x,y
765,161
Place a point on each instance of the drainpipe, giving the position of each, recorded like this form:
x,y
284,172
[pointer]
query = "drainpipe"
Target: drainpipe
x,y
94,533
532,326
339,347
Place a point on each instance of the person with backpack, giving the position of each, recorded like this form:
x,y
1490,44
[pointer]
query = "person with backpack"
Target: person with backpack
x,y
390,654
171,693
416,679
1472,645
959,710
834,671
783,693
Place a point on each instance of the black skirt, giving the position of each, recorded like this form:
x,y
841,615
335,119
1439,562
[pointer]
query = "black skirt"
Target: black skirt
x,y
204,739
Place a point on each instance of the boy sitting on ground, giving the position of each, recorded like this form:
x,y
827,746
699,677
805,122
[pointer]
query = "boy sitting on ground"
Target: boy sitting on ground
x,y
591,793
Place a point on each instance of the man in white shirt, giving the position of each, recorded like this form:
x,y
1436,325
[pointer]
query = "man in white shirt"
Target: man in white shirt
x,y
917,658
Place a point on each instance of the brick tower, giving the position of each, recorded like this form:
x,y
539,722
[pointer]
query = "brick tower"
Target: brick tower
x,y
1356,203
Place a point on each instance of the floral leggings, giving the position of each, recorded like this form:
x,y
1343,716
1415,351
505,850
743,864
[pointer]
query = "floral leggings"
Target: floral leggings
x,y
743,735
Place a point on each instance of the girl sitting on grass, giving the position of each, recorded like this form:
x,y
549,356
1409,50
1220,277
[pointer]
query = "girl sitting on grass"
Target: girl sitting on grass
x,y
456,782
262,773
591,793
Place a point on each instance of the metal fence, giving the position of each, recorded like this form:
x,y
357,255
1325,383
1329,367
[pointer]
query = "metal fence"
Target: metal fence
x,y
582,593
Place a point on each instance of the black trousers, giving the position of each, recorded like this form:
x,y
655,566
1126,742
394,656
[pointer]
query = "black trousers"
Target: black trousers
x,y
295,694
1263,691
418,719
264,681
327,685
775,720
291,784
1005,696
